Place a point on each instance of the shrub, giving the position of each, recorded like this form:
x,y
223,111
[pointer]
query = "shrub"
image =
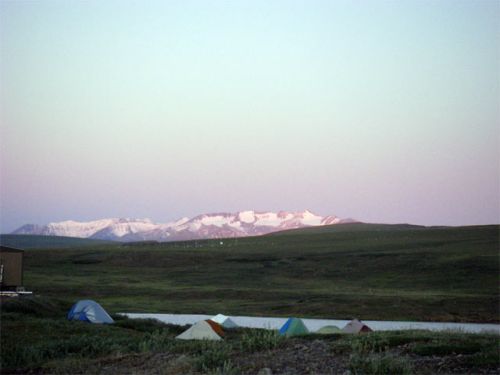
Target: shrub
x,y
141,325
486,357
379,364
213,357
369,344
81,346
361,344
260,339
227,368
397,338
156,341
72,365
40,307
445,347
17,356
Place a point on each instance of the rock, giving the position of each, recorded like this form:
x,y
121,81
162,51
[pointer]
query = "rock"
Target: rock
x,y
265,371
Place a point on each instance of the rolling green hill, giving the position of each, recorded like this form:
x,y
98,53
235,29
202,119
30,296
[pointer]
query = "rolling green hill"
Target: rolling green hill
x,y
344,271
25,241
351,227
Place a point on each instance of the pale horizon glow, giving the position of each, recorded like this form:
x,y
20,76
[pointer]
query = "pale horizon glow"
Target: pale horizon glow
x,y
380,111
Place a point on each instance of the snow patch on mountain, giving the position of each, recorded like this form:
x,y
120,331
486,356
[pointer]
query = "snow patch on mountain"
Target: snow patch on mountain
x,y
246,217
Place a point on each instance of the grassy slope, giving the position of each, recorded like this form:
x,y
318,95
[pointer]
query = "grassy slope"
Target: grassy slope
x,y
21,241
353,270
352,227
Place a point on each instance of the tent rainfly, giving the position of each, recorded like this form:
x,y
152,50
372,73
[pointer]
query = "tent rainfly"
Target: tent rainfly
x,y
327,330
89,311
356,326
293,327
224,321
203,330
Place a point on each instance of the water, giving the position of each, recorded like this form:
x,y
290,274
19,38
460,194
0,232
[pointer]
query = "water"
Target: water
x,y
315,324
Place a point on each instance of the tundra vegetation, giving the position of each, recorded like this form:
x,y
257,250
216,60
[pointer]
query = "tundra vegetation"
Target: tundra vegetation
x,y
372,272
36,338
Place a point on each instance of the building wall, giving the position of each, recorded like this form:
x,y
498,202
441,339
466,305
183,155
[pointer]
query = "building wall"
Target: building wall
x,y
12,268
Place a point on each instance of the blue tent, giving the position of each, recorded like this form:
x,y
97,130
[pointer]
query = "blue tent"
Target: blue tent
x,y
89,311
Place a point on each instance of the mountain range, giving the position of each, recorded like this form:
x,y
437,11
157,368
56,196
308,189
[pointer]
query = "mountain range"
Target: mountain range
x,y
215,225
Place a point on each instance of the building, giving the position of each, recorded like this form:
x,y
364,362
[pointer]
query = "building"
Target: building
x,y
11,268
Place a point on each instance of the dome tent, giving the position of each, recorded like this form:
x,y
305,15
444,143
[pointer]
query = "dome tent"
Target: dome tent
x,y
293,327
224,321
356,326
89,311
328,330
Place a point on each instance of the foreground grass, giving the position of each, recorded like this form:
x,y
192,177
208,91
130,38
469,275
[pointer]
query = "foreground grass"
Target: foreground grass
x,y
37,338
376,272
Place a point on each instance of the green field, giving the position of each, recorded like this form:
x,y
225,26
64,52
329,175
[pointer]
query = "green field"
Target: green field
x,y
368,271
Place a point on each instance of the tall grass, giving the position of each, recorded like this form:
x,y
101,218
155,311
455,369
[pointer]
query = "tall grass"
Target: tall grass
x,y
487,356
369,356
379,364
19,355
214,357
35,306
227,368
260,339
442,346
156,341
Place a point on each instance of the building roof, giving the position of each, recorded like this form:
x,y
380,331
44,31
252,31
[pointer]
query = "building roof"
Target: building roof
x,y
8,249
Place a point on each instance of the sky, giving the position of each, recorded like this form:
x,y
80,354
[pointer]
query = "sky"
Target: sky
x,y
382,111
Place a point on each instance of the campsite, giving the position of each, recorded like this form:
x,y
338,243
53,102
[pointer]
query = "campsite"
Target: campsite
x,y
330,272
249,187
37,340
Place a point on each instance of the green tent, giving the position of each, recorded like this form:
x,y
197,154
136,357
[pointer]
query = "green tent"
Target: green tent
x,y
327,330
293,327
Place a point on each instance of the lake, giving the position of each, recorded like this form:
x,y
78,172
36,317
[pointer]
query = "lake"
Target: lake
x,y
315,324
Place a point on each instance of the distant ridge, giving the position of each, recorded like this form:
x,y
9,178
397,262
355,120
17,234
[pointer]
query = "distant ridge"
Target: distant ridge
x,y
25,241
214,225
352,227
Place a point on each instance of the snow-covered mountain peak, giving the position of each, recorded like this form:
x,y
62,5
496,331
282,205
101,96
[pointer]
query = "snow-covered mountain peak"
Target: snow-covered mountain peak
x,y
308,213
213,225
246,216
